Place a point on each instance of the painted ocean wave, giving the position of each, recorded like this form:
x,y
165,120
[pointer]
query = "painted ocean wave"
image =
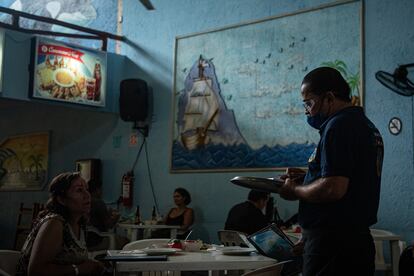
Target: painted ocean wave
x,y
219,156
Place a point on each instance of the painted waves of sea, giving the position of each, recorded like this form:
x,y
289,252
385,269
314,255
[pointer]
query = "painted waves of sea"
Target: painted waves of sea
x,y
219,156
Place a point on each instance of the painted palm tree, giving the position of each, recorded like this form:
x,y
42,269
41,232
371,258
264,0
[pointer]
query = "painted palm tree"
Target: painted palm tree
x,y
352,79
36,164
4,154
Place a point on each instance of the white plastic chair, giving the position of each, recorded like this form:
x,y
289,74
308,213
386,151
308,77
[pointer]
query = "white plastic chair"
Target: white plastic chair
x,y
110,236
8,262
141,244
232,238
396,246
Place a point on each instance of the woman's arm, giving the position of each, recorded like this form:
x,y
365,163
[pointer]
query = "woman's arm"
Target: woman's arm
x,y
47,244
188,219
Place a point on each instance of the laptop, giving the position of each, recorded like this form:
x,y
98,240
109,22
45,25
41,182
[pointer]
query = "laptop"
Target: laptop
x,y
272,242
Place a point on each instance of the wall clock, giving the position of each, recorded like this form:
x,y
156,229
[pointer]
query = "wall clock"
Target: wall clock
x,y
395,126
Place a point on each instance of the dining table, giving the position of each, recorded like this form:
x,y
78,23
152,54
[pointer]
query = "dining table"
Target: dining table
x,y
211,261
143,231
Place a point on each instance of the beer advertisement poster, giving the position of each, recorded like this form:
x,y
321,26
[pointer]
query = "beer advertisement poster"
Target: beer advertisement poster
x,y
67,73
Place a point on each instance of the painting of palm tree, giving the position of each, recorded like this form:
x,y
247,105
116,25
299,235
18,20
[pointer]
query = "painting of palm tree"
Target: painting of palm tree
x,y
24,162
353,79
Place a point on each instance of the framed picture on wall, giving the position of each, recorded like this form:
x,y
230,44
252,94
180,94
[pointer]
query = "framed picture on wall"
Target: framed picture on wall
x,y
68,73
236,92
24,161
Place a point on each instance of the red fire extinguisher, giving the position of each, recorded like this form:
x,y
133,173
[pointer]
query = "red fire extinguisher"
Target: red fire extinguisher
x,y
127,188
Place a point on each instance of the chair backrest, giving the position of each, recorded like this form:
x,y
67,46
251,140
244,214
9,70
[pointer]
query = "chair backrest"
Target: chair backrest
x,y
25,220
8,262
270,270
232,238
108,242
380,236
141,244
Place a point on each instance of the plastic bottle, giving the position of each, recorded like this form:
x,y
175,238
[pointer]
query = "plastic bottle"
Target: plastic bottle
x,y
97,74
154,214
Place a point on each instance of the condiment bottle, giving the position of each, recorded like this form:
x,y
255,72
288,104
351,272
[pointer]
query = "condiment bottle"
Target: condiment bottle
x,y
154,214
137,216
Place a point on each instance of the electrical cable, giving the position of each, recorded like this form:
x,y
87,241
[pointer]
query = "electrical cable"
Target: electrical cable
x,y
139,153
150,179
144,144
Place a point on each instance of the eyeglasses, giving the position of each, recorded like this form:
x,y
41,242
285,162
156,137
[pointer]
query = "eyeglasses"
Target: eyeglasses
x,y
309,104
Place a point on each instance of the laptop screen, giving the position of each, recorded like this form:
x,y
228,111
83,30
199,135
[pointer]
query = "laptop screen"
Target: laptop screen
x,y
272,242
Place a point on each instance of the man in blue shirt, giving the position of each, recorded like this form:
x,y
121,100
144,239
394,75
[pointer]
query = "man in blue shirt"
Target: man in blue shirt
x,y
339,196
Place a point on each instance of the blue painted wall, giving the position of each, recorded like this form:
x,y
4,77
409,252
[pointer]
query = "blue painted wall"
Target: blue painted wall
x,y
83,133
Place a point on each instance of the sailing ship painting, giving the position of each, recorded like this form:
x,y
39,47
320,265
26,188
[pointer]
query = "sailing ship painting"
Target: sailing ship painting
x,y
203,118
201,113
236,93
207,136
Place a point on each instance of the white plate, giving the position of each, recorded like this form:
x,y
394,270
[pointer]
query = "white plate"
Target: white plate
x,y
236,251
68,76
129,252
160,251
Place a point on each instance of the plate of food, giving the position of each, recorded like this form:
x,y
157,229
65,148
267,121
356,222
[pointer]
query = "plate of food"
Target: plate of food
x,y
64,77
259,183
160,251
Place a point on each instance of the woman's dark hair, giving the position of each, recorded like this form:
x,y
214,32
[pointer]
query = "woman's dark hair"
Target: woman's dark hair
x,y
58,187
184,193
324,79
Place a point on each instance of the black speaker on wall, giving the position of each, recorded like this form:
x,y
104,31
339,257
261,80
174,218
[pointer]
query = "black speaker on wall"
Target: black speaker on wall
x,y
134,100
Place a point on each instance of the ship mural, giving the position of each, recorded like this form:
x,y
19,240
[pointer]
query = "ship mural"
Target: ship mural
x,y
207,136
238,106
203,117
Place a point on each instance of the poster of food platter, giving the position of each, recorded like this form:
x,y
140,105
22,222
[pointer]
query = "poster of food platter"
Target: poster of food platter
x,y
68,73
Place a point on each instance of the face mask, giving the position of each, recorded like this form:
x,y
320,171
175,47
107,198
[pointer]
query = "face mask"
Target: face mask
x,y
316,121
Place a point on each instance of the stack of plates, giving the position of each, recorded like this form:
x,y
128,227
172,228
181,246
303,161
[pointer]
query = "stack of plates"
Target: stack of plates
x,y
160,251
236,250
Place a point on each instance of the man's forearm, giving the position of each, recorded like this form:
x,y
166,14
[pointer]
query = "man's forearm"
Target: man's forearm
x,y
323,190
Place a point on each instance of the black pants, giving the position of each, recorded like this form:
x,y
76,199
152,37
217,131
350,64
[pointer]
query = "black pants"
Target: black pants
x,y
338,253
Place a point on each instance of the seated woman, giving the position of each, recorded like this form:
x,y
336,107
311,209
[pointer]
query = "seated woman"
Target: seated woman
x,y
56,244
180,215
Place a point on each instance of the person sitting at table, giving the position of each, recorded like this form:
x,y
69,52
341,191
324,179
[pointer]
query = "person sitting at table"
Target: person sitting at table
x,y
102,219
180,215
248,216
56,244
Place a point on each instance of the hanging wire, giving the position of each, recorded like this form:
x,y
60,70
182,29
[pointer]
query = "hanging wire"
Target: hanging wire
x,y
150,179
144,143
139,153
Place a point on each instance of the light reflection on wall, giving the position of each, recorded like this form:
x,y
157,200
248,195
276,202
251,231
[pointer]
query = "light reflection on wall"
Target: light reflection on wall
x,y
1,58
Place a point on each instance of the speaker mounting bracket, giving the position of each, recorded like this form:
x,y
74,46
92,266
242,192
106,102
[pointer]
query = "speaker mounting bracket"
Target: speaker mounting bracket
x,y
142,127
